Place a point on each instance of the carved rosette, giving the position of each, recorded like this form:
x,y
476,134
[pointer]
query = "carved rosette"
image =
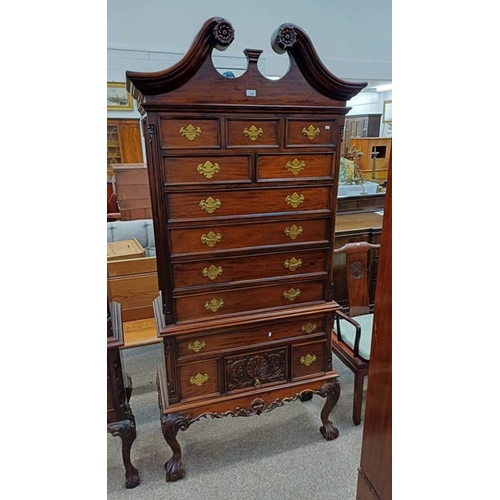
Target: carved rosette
x,y
286,36
356,269
223,33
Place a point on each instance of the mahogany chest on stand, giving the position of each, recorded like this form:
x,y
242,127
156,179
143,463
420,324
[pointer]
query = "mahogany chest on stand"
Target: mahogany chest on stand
x,y
243,174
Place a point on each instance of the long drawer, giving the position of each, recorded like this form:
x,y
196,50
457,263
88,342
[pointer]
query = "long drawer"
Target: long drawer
x,y
239,300
232,269
203,344
215,203
216,237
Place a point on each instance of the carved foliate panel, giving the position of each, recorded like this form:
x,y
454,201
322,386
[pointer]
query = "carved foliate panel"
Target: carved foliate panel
x,y
253,370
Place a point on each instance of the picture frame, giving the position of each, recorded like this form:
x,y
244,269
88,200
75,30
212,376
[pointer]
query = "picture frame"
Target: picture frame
x,y
118,97
387,113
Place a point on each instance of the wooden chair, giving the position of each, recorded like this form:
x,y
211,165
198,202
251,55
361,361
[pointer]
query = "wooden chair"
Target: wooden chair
x,y
352,333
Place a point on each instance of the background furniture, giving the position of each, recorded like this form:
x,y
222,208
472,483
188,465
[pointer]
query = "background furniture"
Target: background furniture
x,y
368,146
375,471
132,191
360,126
121,421
352,332
243,175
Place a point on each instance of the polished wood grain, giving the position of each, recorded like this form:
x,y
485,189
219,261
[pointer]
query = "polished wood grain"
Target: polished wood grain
x,y
296,166
376,451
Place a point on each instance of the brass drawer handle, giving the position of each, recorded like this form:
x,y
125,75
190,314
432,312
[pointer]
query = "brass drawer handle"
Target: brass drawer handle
x,y
291,294
293,264
214,305
296,166
208,169
212,272
211,239
253,132
309,328
210,205
308,360
199,379
293,231
295,199
310,132
197,346
190,132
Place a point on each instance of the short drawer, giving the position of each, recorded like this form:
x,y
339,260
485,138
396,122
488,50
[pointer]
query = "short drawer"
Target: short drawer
x,y
256,369
189,132
311,132
206,169
223,302
212,203
308,359
294,167
199,379
232,340
248,235
232,269
253,133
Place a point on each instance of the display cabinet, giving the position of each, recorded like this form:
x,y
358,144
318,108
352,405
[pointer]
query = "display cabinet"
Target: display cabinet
x,y
243,174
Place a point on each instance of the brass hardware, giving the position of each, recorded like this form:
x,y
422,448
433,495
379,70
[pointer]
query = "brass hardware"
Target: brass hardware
x,y
295,166
190,132
212,272
208,169
253,132
295,199
214,305
257,383
210,205
293,231
309,328
211,239
199,379
197,346
308,360
291,294
293,264
310,132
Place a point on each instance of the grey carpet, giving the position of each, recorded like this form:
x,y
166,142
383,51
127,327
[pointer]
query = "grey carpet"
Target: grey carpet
x,y
277,455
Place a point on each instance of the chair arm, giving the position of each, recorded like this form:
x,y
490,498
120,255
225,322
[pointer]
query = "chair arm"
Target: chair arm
x,y
354,323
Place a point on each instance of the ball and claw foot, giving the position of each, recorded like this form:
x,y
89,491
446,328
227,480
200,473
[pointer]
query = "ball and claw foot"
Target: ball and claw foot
x,y
174,470
330,391
132,479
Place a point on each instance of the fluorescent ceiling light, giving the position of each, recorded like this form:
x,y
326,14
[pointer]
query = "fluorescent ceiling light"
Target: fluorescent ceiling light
x,y
383,88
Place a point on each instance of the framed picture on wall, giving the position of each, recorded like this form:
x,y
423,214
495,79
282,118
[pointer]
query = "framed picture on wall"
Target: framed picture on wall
x,y
118,97
387,113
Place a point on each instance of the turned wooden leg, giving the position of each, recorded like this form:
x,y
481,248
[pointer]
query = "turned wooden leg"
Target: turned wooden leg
x,y
358,398
125,429
170,426
330,390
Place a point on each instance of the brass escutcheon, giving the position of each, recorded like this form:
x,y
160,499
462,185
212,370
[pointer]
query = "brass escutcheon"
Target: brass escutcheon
x,y
208,169
214,305
296,166
293,231
211,239
291,294
309,328
308,360
210,205
212,272
197,346
293,264
199,379
310,132
253,132
257,383
190,132
295,199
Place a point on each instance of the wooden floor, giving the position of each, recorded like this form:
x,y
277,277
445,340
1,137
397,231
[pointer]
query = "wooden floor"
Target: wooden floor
x,y
139,332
